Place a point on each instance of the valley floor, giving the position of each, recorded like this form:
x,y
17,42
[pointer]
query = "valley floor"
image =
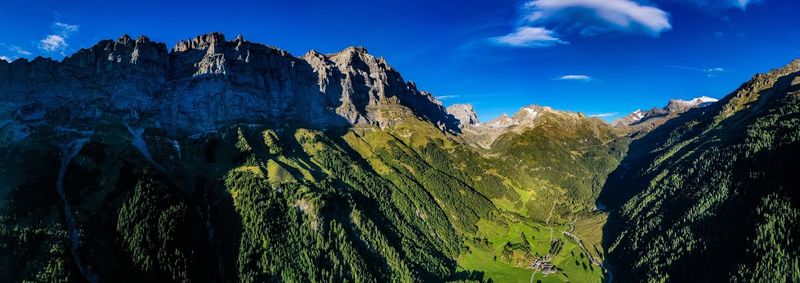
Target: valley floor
x,y
507,252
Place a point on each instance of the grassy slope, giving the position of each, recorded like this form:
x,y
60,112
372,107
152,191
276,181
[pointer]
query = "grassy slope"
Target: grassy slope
x,y
508,221
404,203
563,160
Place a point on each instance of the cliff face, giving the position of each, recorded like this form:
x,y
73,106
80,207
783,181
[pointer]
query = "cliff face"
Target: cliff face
x,y
207,82
465,114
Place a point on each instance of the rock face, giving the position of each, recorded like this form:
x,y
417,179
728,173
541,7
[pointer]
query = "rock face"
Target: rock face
x,y
360,87
465,114
206,82
632,118
644,121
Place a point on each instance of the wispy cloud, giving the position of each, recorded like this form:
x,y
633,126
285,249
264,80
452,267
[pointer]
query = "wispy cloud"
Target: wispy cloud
x,y
446,97
604,115
743,3
720,4
15,50
529,37
5,58
19,50
57,42
594,16
542,19
583,78
711,72
64,29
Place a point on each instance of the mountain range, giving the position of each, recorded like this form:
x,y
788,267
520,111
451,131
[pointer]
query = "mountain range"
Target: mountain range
x,y
228,161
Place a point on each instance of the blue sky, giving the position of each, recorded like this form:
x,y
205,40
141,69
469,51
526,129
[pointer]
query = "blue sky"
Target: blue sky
x,y
600,57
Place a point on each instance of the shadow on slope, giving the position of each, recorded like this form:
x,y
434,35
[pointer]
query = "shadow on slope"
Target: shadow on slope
x,y
675,148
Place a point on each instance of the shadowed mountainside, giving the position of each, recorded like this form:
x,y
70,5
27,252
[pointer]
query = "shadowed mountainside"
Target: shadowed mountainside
x,y
710,195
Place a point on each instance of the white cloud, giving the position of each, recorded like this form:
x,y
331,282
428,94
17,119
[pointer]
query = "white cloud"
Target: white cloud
x,y
53,43
529,37
594,16
604,115
58,40
446,97
5,58
583,78
64,29
19,50
710,72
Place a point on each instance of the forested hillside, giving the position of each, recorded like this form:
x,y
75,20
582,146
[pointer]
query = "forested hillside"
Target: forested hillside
x,y
712,195
256,204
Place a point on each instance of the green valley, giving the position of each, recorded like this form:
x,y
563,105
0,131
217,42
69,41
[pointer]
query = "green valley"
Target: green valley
x,y
232,161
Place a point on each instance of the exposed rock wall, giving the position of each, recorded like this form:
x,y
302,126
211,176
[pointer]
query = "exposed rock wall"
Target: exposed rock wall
x,y
208,81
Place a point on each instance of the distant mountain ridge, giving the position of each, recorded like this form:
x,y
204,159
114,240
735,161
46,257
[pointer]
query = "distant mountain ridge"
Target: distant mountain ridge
x,y
484,134
647,120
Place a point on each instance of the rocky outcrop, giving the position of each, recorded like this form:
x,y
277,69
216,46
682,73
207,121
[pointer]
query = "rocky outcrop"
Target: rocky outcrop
x,y
465,114
207,82
361,85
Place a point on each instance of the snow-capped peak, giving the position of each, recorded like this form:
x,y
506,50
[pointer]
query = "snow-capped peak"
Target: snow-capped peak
x,y
637,115
531,112
705,99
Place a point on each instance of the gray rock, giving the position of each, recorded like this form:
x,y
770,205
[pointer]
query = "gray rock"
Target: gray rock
x,y
207,82
465,114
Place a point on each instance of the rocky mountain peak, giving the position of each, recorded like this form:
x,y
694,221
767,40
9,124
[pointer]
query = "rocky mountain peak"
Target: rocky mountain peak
x,y
368,81
124,39
630,119
354,50
530,113
207,82
142,39
465,113
357,58
200,42
680,105
647,120
501,121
